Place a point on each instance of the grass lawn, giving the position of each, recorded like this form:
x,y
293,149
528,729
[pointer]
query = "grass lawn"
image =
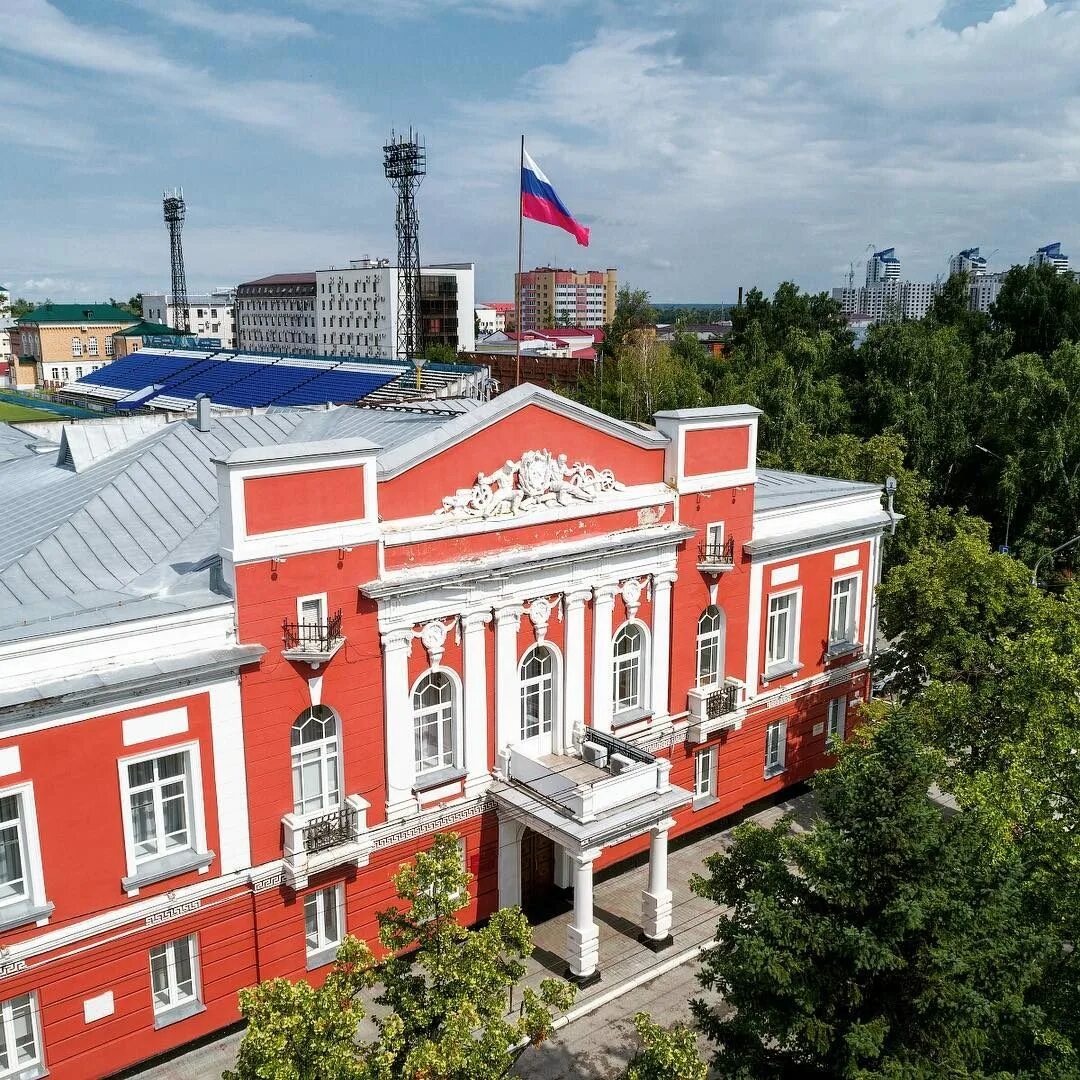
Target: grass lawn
x,y
12,412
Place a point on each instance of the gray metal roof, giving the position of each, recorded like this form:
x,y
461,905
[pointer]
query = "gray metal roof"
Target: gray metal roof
x,y
776,489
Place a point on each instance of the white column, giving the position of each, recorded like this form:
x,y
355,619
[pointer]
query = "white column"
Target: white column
x,y
507,694
400,752
230,776
603,605
474,651
583,935
660,691
574,676
510,832
656,899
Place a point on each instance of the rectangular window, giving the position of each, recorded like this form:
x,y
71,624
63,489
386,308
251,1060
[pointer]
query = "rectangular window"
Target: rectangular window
x,y
158,799
843,611
13,882
783,620
91,346
775,747
78,373
174,978
65,373
55,374
837,717
108,346
705,774
20,1037
324,924
76,347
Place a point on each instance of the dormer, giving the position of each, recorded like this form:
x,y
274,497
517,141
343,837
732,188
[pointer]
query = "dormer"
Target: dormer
x,y
710,448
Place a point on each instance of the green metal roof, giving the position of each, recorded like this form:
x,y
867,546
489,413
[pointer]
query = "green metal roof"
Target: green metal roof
x,y
79,313
147,329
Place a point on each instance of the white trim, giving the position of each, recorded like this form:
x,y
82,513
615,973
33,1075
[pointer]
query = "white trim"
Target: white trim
x,y
33,869
644,679
784,575
780,764
835,725
457,697
753,631
230,776
603,619
845,559
710,755
10,761
325,944
169,947
660,652
156,725
854,620
324,607
537,742
794,631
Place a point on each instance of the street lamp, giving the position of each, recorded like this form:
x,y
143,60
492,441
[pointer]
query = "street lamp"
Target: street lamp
x,y
1047,555
1008,517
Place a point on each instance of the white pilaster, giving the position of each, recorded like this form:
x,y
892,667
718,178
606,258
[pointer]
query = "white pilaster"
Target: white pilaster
x,y
660,690
510,832
474,650
656,899
574,679
230,777
583,935
603,605
400,752
507,693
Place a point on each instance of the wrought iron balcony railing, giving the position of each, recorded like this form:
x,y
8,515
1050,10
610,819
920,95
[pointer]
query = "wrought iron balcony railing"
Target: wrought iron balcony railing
x,y
722,701
329,830
313,637
717,555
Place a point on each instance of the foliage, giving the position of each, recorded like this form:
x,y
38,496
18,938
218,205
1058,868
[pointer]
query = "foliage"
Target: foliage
x,y
633,313
1038,308
771,321
666,1053
443,354
21,307
442,988
882,942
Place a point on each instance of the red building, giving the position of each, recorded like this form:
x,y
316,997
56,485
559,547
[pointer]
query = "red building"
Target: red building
x,y
251,664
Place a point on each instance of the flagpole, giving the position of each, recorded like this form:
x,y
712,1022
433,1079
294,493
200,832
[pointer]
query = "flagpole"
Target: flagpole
x,y
517,297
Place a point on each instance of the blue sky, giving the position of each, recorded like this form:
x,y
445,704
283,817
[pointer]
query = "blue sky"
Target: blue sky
x,y
708,143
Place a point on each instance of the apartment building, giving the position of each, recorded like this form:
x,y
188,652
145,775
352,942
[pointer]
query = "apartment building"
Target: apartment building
x,y
210,315
1050,255
276,314
548,297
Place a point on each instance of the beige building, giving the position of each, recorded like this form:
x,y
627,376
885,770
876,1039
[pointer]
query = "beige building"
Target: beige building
x,y
548,297
67,341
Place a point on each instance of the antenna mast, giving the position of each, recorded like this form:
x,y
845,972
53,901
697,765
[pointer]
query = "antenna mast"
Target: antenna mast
x,y
405,163
173,203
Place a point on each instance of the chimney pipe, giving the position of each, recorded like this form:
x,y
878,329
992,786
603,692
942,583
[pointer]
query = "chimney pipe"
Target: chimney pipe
x,y
202,412
740,296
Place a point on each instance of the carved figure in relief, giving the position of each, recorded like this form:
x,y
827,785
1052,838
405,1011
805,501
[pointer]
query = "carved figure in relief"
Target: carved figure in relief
x,y
504,498
561,479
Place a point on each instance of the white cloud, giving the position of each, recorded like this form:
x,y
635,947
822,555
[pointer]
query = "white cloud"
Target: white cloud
x,y
241,27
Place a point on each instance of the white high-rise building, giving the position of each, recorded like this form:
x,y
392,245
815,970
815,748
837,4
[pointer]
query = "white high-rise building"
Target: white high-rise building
x,y
983,291
969,262
887,300
882,266
1050,255
211,315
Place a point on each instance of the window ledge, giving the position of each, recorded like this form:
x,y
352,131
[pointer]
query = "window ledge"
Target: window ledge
x,y
703,802
427,781
774,770
180,1012
25,911
780,671
631,716
842,648
322,957
30,1072
166,867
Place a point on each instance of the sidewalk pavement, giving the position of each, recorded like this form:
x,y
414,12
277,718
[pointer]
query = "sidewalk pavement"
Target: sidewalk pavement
x,y
625,964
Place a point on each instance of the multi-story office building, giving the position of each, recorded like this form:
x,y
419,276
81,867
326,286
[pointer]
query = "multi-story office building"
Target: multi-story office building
x,y
249,665
983,291
548,297
494,317
277,314
882,266
357,308
210,315
63,342
1050,255
892,299
969,262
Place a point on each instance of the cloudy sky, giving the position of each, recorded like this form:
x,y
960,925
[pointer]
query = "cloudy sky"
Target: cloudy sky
x,y
707,143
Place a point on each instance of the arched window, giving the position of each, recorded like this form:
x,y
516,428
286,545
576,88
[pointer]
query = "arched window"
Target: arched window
x,y
434,721
628,668
710,646
537,692
315,754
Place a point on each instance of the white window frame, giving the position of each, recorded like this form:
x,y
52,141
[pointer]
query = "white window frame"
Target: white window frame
x,y
714,535
91,346
325,948
321,747
851,634
705,775
177,1008
108,346
716,639
33,897
16,1070
76,346
836,722
449,758
196,807
641,702
320,599
547,686
791,656
775,748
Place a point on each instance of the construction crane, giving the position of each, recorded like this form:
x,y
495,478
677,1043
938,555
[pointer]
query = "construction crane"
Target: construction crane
x,y
175,209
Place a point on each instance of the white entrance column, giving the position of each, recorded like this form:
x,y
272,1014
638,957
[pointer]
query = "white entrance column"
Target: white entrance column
x,y
656,899
510,832
583,935
660,691
574,678
507,691
603,605
474,651
398,728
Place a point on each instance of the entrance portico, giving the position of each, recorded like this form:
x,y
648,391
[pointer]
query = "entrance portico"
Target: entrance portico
x,y
604,792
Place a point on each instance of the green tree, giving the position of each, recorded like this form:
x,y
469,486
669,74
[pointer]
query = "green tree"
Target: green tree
x,y
1039,309
633,312
666,1053
443,991
21,307
439,353
772,319
882,942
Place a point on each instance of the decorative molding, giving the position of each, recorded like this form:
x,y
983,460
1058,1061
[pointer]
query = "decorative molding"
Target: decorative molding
x,y
315,690
632,591
401,639
475,620
539,612
410,830
509,616
537,479
433,637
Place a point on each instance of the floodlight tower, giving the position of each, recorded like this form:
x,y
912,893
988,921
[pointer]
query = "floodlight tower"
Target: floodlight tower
x,y
173,202
405,163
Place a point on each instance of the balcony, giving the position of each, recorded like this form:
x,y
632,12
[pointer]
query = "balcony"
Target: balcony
x,y
317,842
717,558
719,707
312,643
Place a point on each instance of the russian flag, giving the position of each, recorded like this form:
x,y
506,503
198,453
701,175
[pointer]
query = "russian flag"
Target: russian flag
x,y
539,202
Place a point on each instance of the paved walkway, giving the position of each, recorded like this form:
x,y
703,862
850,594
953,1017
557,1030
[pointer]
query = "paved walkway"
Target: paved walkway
x,y
625,966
